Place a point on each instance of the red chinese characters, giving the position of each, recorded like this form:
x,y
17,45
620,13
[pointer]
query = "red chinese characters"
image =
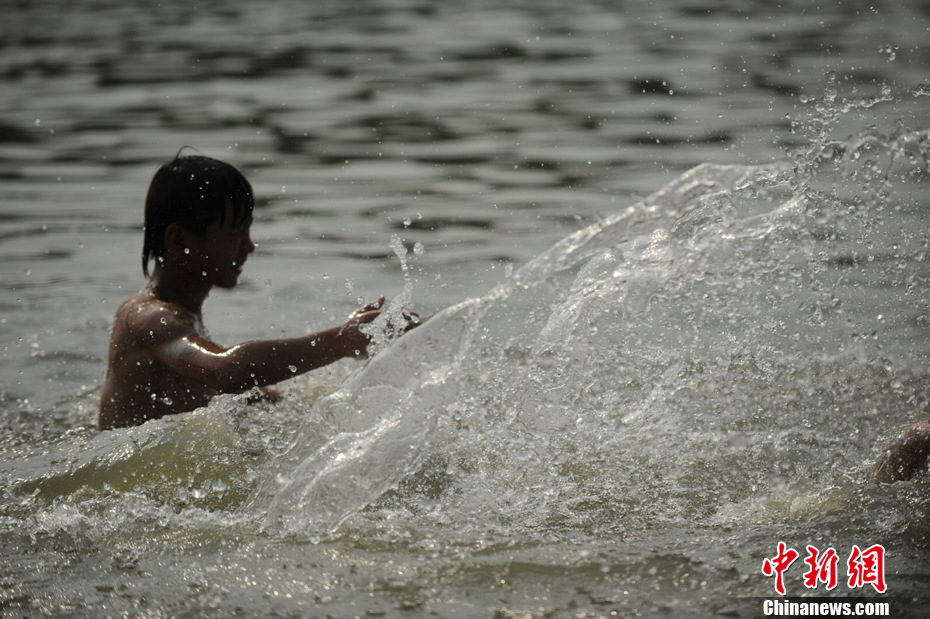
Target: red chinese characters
x,y
867,567
777,565
822,568
864,567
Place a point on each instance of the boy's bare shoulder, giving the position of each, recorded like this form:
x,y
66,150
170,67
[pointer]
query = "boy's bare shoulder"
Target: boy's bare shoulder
x,y
144,314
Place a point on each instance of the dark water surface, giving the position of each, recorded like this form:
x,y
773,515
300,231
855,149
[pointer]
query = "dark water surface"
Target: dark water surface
x,y
676,255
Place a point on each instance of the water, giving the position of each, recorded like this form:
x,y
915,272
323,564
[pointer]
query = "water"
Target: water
x,y
674,256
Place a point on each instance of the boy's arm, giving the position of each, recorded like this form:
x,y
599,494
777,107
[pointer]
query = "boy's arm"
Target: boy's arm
x,y
181,349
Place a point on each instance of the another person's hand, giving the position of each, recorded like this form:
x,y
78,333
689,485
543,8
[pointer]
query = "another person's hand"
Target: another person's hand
x,y
906,455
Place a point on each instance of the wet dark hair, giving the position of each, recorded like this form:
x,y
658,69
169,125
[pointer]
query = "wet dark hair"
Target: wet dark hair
x,y
192,191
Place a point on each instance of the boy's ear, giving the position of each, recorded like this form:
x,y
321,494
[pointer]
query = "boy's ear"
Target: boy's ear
x,y
177,238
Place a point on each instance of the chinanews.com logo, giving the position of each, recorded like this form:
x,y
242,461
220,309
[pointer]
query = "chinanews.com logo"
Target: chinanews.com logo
x,y
863,568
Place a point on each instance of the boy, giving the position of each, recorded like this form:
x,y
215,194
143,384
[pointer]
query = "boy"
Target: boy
x,y
198,213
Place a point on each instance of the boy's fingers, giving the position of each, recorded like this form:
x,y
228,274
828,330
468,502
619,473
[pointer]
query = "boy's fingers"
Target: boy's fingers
x,y
372,310
366,316
375,305
413,320
369,307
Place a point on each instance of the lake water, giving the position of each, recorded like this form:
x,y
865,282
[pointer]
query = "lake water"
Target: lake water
x,y
675,260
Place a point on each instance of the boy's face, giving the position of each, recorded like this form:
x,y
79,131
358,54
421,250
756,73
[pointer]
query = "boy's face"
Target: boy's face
x,y
223,249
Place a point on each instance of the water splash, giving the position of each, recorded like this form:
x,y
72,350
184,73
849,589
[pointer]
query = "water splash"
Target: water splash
x,y
667,364
817,126
395,317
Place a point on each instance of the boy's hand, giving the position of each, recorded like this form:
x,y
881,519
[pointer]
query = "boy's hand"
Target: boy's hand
x,y
413,320
368,313
361,316
372,310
